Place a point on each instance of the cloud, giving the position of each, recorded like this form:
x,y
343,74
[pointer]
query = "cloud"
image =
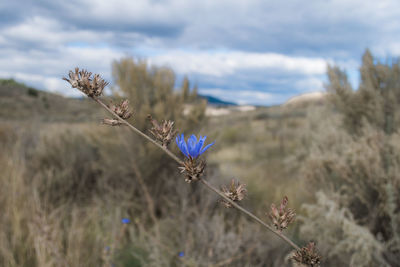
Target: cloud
x,y
45,69
227,63
271,49
310,84
267,91
45,34
246,78
33,61
337,27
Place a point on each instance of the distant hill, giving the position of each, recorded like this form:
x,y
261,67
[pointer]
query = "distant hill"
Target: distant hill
x,y
216,101
20,102
306,99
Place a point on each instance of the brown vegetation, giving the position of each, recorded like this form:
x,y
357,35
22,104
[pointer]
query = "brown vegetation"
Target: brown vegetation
x,y
67,180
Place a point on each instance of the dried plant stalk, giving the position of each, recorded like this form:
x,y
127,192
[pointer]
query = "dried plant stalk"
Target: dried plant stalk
x,y
282,217
86,83
192,169
76,84
236,192
163,132
307,255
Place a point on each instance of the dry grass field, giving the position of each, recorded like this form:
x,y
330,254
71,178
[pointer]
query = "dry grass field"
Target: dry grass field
x,y
67,181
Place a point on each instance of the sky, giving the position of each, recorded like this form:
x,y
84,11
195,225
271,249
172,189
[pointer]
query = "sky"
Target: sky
x,y
259,52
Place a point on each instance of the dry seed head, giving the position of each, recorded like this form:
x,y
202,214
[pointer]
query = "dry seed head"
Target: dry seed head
x,y
308,256
164,132
192,169
236,192
282,217
122,109
86,83
111,122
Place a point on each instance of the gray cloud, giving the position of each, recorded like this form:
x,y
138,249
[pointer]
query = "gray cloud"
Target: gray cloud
x,y
340,28
267,47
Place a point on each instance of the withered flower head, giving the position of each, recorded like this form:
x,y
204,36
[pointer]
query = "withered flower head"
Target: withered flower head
x,y
86,83
282,217
308,255
164,132
192,169
236,192
111,122
122,109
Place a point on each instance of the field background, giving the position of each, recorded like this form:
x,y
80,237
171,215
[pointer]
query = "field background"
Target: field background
x,y
67,181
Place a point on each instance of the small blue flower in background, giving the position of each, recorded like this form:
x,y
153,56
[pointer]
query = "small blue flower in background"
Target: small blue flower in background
x,y
181,254
125,221
192,148
107,248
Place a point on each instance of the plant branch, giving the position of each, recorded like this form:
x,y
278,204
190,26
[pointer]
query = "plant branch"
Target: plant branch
x,y
137,130
208,185
251,215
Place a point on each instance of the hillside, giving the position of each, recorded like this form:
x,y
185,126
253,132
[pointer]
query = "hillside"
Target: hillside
x,y
216,101
307,99
19,102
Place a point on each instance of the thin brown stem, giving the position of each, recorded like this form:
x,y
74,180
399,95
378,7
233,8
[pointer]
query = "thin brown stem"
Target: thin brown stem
x,y
137,130
248,213
208,185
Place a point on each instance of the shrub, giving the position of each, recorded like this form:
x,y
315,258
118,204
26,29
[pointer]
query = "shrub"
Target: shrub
x,y
354,164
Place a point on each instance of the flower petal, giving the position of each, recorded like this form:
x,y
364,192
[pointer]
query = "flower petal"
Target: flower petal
x,y
184,149
125,220
193,138
206,147
180,141
200,144
191,143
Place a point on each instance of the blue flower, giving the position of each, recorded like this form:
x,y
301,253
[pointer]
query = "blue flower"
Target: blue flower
x,y
125,221
181,254
192,148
